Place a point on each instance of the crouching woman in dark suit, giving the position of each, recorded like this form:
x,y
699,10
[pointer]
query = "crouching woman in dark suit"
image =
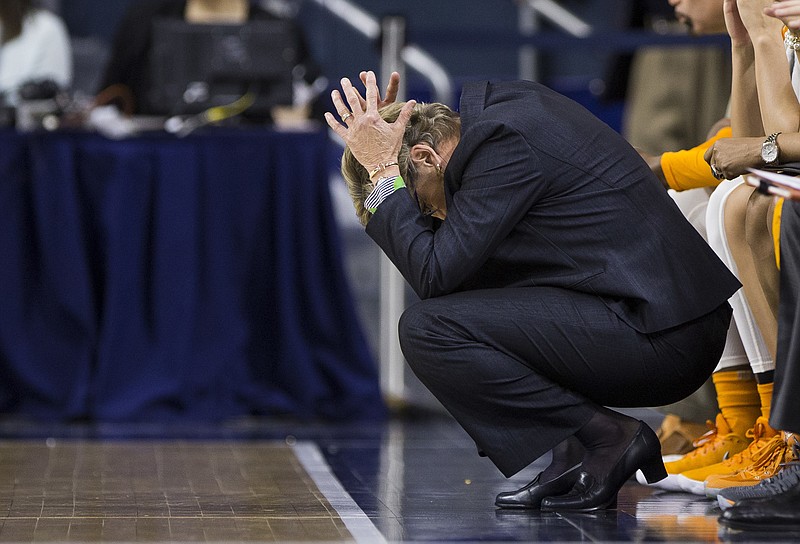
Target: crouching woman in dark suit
x,y
556,277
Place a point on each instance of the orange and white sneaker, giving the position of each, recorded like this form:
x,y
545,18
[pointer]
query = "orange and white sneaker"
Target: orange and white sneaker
x,y
788,477
767,462
717,444
761,435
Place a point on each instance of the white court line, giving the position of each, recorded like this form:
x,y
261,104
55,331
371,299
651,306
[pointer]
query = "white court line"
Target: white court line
x,y
356,521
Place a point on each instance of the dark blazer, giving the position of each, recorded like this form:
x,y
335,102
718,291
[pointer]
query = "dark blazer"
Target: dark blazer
x,y
542,193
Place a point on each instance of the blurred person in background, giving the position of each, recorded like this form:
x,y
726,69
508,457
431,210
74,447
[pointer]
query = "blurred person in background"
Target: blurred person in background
x,y
127,69
34,48
675,93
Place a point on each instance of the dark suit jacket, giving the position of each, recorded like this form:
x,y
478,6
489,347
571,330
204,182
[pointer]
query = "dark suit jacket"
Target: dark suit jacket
x,y
541,192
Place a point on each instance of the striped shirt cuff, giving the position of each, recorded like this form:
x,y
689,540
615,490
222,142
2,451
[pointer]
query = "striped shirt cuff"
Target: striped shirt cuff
x,y
383,188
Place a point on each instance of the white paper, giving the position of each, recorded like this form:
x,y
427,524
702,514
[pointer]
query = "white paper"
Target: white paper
x,y
790,181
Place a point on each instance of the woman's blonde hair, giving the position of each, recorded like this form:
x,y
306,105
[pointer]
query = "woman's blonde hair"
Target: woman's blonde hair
x,y
431,124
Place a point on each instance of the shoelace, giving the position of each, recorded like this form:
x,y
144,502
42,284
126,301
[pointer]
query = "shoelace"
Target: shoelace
x,y
787,477
783,480
757,433
706,441
765,459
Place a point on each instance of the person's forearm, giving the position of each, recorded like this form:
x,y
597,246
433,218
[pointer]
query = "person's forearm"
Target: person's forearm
x,y
745,116
687,168
780,110
789,145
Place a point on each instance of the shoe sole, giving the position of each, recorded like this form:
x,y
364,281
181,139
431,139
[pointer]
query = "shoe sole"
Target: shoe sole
x,y
772,528
724,503
711,492
690,486
668,484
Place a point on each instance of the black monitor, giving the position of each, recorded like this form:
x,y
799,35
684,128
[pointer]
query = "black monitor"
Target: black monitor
x,y
197,66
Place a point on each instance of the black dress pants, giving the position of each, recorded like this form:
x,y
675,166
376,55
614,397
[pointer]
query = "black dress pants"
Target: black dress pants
x,y
785,410
522,369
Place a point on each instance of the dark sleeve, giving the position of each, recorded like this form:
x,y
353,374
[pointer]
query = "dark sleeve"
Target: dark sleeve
x,y
500,183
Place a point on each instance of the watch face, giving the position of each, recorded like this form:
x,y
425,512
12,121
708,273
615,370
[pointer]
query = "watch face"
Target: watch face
x,y
769,152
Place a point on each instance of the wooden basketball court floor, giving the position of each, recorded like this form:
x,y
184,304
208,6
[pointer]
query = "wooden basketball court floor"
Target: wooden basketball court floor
x,y
412,479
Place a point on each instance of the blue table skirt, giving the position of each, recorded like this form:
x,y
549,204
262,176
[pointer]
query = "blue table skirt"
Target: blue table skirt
x,y
163,279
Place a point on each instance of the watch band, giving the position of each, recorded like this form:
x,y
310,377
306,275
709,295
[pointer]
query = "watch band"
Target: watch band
x,y
769,146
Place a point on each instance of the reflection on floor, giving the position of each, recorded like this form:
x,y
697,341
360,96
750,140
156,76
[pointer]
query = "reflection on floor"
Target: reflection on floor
x,y
413,479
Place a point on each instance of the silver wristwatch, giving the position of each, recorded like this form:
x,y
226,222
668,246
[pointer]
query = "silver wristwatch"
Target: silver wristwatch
x,y
769,150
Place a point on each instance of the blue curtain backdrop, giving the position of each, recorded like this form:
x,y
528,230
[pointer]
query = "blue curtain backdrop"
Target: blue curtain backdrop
x,y
164,279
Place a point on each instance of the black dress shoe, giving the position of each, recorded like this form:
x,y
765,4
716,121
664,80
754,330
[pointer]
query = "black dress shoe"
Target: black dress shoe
x,y
780,512
532,494
590,494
